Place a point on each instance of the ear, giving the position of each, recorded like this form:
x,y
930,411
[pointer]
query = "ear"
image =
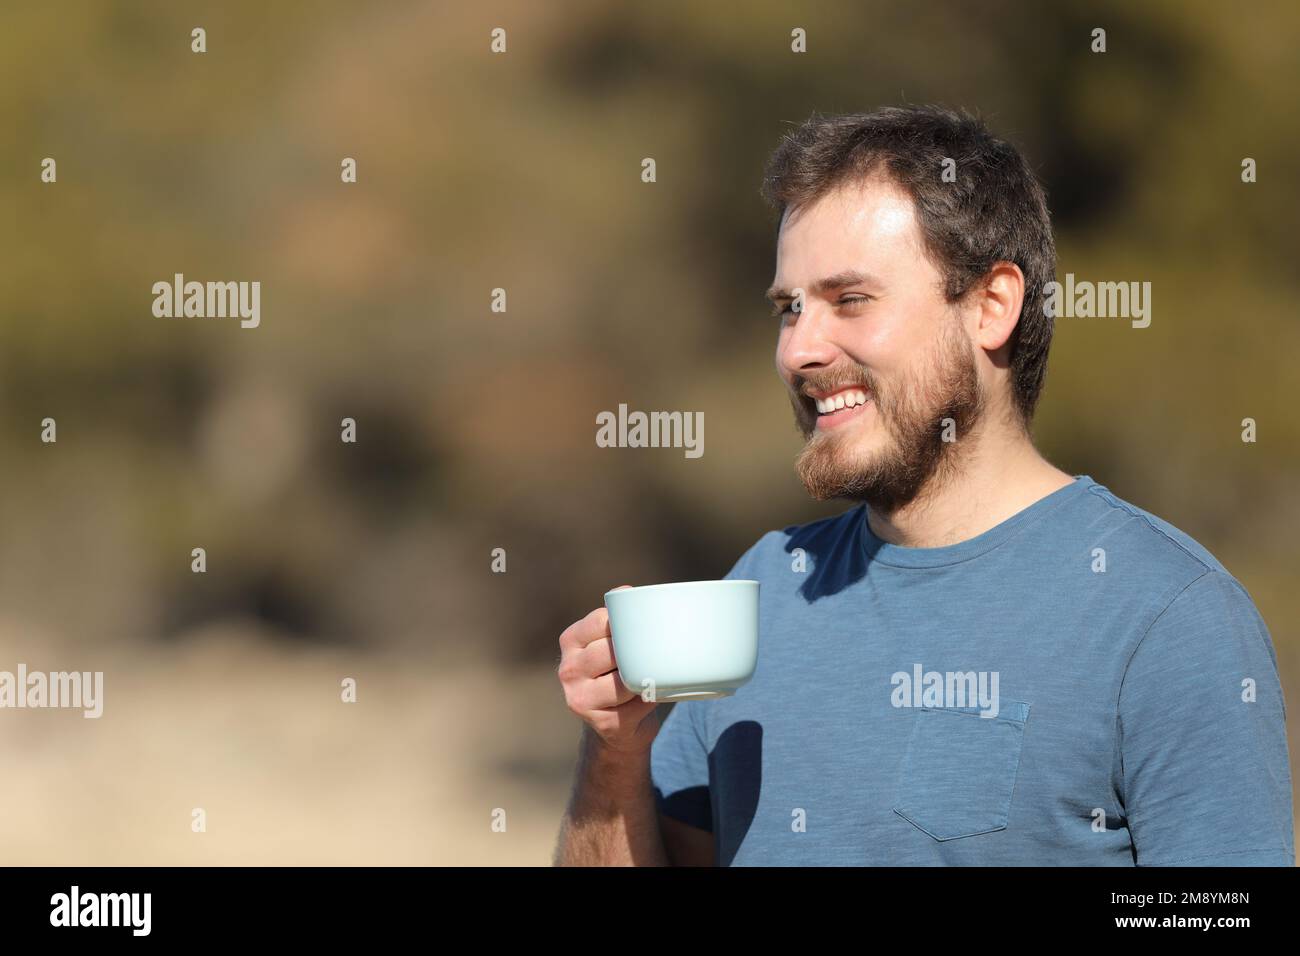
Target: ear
x,y
997,305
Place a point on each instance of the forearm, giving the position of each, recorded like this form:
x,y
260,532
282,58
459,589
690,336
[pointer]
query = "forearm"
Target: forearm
x,y
611,819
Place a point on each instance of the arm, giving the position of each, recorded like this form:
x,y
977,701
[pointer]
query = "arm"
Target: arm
x,y
632,759
687,845
611,819
1202,731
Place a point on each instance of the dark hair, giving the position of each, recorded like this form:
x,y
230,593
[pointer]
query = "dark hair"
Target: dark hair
x,y
995,211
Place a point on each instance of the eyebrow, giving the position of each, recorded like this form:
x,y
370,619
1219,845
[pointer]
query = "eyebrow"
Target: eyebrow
x,y
828,284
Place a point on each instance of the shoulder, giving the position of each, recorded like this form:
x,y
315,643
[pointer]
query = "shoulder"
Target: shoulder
x,y
1148,549
1154,532
1200,610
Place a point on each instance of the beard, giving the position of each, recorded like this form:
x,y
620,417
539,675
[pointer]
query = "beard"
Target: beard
x,y
915,456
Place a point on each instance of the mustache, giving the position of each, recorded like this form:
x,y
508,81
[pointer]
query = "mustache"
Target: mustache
x,y
828,384
805,408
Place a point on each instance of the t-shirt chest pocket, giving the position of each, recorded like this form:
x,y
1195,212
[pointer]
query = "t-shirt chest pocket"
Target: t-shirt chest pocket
x,y
958,774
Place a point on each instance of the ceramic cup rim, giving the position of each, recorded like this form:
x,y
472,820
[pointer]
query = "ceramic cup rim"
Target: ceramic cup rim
x,y
679,584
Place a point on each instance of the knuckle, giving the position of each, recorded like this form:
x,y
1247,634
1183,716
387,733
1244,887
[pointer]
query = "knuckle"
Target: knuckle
x,y
573,700
568,635
565,671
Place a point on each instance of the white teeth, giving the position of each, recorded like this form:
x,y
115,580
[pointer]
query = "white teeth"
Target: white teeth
x,y
840,400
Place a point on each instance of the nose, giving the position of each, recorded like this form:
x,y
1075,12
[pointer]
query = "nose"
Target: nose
x,y
806,341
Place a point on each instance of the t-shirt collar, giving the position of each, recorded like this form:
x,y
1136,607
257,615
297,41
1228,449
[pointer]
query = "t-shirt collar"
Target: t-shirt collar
x,y
880,551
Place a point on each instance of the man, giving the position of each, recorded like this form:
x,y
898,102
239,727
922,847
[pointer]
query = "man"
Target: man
x,y
986,661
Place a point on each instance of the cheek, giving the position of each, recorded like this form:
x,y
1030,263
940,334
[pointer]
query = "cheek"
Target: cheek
x,y
895,340
879,346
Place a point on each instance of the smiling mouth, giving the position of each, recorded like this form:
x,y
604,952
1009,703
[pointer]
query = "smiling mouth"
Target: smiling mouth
x,y
843,399
839,407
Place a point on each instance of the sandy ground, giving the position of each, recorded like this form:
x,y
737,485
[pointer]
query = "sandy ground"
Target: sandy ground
x,y
255,733
257,736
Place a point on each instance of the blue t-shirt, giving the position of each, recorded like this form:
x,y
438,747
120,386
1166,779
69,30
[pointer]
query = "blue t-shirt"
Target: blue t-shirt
x,y
1082,684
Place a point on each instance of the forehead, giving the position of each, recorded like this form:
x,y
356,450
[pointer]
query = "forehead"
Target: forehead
x,y
868,225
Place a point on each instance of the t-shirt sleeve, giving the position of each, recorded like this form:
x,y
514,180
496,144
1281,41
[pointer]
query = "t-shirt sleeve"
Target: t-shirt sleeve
x,y
1202,730
679,756
679,769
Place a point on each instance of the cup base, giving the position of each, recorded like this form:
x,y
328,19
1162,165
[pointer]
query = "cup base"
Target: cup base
x,y
669,695
705,690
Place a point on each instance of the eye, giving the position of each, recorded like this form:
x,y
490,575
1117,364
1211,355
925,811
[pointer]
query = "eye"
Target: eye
x,y
854,302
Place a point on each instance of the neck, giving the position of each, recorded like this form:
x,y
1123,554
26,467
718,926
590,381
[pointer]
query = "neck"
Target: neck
x,y
999,474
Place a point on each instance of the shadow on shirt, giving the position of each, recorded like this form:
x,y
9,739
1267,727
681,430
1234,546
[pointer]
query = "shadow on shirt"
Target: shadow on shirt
x,y
837,556
836,551
735,778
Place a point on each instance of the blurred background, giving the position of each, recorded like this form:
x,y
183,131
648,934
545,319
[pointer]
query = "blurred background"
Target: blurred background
x,y
475,429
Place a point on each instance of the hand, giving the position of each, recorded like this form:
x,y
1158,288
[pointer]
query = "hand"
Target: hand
x,y
619,718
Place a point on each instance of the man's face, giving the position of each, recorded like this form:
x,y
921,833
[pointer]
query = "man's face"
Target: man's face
x,y
880,328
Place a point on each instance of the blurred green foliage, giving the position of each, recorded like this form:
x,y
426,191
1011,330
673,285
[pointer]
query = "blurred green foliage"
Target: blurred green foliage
x,y
522,171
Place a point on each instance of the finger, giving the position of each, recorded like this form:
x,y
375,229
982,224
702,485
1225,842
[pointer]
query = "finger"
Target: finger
x,y
599,621
608,692
582,632
632,713
590,628
598,658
